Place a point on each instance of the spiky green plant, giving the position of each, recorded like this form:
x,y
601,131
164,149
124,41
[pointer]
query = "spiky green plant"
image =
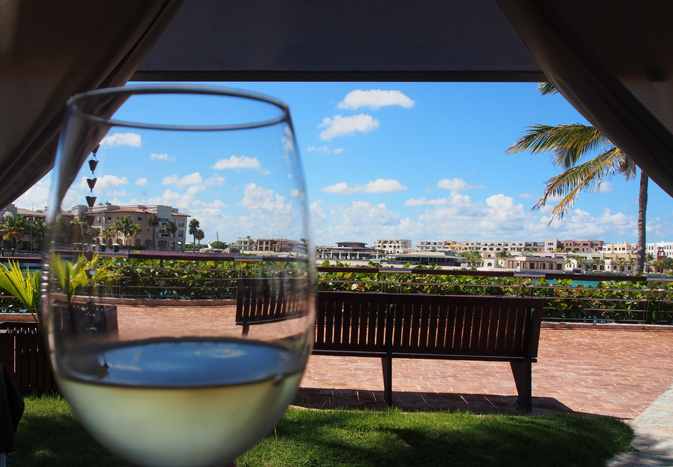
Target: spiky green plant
x,y
25,287
73,277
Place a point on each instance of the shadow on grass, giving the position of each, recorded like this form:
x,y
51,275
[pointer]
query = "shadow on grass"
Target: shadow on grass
x,y
53,437
352,438
319,398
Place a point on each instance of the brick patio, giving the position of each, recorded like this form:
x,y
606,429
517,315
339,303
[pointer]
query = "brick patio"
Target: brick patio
x,y
614,370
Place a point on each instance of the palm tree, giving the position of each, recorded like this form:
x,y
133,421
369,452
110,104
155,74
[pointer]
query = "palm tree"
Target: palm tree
x,y
570,144
107,235
171,227
503,255
193,228
473,258
13,228
124,226
153,220
199,235
36,230
135,230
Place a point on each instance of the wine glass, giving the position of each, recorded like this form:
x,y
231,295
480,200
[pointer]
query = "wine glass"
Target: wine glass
x,y
148,337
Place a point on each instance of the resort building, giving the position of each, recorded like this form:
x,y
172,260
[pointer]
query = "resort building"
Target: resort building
x,y
430,245
580,246
353,251
277,245
393,246
443,259
537,263
103,216
660,250
500,246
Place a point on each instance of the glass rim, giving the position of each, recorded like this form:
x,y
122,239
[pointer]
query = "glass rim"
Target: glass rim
x,y
73,106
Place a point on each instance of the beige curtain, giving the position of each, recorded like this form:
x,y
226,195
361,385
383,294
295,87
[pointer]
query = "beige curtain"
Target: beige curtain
x,y
612,60
50,50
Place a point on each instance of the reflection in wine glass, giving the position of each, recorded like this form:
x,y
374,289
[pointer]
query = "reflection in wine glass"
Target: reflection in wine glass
x,y
143,333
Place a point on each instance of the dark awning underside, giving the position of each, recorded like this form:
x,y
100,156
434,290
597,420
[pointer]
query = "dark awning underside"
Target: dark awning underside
x,y
610,58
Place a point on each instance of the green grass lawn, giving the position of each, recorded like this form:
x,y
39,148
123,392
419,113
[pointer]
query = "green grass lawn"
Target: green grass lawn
x,y
49,435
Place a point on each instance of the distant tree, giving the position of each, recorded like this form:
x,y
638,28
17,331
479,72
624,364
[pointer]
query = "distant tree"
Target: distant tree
x,y
171,228
125,227
193,229
502,255
199,235
473,258
218,244
36,231
107,235
153,220
13,228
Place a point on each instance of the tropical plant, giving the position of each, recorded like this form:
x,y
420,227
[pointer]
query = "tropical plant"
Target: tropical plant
x,y
36,231
171,228
570,144
73,277
199,235
26,288
153,220
135,231
193,228
12,228
502,255
107,235
124,226
473,258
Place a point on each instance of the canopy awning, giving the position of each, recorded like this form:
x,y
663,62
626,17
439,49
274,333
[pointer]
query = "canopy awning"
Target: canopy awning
x,y
609,58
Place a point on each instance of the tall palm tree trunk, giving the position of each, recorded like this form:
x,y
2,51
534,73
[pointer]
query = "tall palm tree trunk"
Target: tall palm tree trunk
x,y
642,223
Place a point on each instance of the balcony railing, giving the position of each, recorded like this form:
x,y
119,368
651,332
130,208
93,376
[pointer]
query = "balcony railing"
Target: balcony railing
x,y
568,297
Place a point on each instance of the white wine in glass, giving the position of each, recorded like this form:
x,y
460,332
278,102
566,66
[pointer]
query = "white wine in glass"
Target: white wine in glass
x,y
145,334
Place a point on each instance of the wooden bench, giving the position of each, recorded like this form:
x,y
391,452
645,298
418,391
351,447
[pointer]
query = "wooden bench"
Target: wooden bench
x,y
266,300
385,325
461,327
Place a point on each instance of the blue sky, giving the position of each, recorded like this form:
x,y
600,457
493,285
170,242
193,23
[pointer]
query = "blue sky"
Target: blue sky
x,y
423,161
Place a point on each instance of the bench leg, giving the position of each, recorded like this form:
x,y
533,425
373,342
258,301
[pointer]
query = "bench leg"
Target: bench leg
x,y
522,372
387,364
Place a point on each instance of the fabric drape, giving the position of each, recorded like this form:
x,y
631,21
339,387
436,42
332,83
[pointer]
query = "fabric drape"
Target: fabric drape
x,y
52,50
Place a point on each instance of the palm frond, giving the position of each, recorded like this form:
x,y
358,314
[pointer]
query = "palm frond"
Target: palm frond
x,y
569,143
545,88
586,177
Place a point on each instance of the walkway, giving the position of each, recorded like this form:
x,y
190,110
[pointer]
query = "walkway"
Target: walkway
x,y
619,371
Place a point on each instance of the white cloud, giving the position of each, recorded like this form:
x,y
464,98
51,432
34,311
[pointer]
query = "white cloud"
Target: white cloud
x,y
181,182
215,180
606,187
380,185
142,181
341,187
35,197
161,157
258,198
122,139
116,193
325,149
455,184
237,162
107,182
423,202
345,126
375,99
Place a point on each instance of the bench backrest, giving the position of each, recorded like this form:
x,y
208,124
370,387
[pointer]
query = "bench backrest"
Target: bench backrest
x,y
458,325
265,300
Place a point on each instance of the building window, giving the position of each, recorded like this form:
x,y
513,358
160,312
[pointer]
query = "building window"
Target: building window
x,y
140,218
